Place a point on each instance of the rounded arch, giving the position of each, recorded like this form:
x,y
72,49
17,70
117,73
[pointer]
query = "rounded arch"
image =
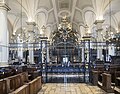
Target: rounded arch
x,y
87,9
90,18
10,28
40,20
42,10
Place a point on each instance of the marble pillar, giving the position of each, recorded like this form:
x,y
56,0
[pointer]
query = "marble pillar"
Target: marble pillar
x,y
48,54
31,53
31,41
111,50
98,24
4,35
20,48
83,58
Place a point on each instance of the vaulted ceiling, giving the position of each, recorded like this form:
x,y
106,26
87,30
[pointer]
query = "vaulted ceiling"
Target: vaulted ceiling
x,y
49,13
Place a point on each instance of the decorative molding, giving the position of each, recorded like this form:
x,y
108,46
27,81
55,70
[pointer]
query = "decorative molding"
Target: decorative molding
x,y
55,11
98,21
4,6
31,23
73,9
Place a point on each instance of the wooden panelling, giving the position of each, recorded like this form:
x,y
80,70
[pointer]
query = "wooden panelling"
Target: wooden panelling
x,y
22,90
35,85
3,87
14,82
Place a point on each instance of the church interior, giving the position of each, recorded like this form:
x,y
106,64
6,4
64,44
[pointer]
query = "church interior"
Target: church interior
x,y
59,46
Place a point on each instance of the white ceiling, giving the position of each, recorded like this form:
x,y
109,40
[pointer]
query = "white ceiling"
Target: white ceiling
x,y
49,13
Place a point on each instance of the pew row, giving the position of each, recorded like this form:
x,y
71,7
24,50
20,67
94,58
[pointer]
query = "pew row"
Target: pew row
x,y
106,83
117,86
32,87
35,85
14,82
3,87
11,83
21,90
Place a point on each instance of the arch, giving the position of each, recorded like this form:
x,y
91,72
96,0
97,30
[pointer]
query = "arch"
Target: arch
x,y
86,9
43,10
89,18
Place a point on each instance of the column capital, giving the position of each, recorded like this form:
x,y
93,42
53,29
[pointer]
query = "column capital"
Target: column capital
x,y
30,26
98,23
31,23
4,6
87,37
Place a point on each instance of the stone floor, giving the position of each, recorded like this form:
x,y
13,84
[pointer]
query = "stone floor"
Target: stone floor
x,y
70,88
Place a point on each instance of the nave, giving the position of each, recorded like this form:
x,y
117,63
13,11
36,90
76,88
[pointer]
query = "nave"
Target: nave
x,y
59,46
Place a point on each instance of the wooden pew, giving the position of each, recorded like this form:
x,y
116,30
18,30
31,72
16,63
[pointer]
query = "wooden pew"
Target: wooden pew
x,y
13,82
21,90
117,86
32,87
117,90
35,85
106,82
95,77
3,87
31,69
16,81
24,77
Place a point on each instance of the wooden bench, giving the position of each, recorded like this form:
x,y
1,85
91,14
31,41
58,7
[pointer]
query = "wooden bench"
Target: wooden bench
x,y
24,77
95,77
106,82
3,87
117,86
21,90
32,87
117,90
14,82
35,85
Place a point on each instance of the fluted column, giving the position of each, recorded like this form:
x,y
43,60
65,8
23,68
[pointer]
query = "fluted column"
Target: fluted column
x,y
31,53
48,54
43,51
99,38
4,34
83,58
31,41
20,48
111,50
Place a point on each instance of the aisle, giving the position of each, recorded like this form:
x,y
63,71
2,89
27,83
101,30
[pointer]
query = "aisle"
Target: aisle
x,y
70,88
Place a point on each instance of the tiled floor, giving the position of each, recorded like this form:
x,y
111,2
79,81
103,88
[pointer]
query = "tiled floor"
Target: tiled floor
x,y
70,88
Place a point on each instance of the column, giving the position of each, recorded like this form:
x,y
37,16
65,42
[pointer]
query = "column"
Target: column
x,y
98,23
31,53
48,53
31,41
20,48
83,58
43,51
111,50
4,34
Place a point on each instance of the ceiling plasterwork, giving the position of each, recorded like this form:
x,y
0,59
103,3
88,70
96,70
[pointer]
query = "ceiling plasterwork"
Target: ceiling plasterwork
x,y
47,4
81,4
51,18
78,12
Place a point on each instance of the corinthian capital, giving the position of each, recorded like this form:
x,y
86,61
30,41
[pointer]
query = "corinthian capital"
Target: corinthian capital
x,y
4,5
